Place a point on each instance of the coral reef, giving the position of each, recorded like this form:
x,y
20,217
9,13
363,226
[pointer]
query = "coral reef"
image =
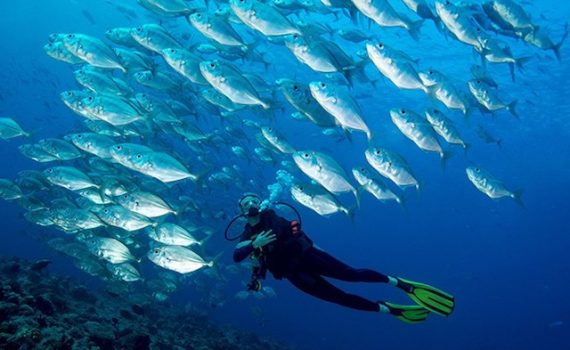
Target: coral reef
x,y
43,311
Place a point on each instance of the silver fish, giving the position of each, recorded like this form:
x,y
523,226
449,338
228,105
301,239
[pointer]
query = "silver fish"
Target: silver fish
x,y
489,185
92,50
117,216
264,18
9,190
154,38
318,199
215,28
489,98
324,170
277,140
417,129
445,127
98,145
109,249
381,12
172,234
9,129
337,100
68,177
124,272
145,203
115,110
394,66
176,258
392,166
229,81
185,63
374,186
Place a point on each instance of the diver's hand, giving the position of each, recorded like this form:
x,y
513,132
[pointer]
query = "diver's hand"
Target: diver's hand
x,y
263,239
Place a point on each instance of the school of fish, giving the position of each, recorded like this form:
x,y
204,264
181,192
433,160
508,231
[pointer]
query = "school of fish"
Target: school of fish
x,y
135,181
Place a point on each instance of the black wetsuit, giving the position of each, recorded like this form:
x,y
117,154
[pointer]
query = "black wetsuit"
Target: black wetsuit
x,y
293,256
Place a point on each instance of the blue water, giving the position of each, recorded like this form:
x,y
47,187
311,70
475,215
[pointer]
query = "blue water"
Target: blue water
x,y
508,267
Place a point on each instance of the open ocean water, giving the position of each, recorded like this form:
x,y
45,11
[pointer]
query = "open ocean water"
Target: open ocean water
x,y
506,264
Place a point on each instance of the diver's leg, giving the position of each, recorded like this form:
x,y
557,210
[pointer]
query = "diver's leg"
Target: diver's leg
x,y
318,287
323,263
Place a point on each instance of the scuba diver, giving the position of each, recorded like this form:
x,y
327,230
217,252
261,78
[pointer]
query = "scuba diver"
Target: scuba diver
x,y
282,247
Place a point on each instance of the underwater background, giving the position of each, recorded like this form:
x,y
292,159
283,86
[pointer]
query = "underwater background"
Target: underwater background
x,y
507,266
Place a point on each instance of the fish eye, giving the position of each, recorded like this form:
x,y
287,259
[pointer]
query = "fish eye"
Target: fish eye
x,y
403,111
430,72
90,98
139,156
377,152
139,29
106,211
198,15
295,87
212,65
477,169
156,251
306,155
478,81
380,45
69,36
323,85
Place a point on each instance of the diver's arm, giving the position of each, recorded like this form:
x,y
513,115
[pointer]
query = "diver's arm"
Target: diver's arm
x,y
242,251
244,248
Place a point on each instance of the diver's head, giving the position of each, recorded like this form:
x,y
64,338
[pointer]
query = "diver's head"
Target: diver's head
x,y
250,204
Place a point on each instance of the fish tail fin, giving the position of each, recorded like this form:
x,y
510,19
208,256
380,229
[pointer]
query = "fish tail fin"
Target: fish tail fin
x,y
357,197
438,24
369,136
517,196
353,14
265,105
349,212
348,135
512,108
444,157
521,61
199,178
349,75
557,47
512,71
205,240
467,111
466,147
402,202
500,143
414,29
